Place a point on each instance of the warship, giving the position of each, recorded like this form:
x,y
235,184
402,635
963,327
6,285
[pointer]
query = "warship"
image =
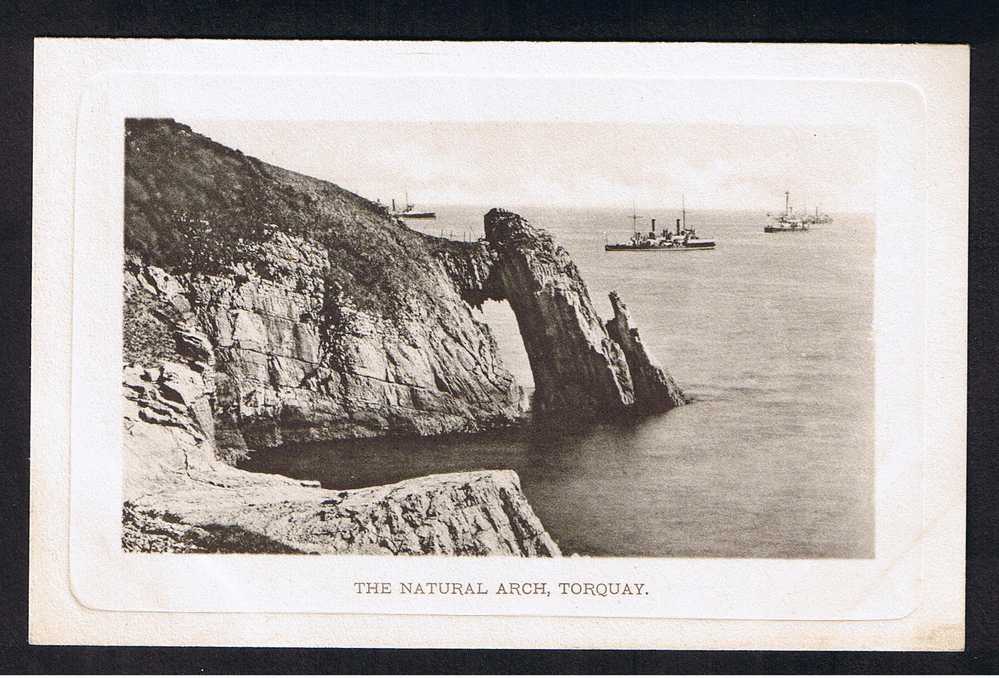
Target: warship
x,y
684,239
788,221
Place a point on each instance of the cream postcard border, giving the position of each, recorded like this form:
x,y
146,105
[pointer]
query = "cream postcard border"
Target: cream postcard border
x,y
167,78
884,587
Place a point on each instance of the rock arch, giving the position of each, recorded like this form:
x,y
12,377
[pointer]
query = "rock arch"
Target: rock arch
x,y
581,366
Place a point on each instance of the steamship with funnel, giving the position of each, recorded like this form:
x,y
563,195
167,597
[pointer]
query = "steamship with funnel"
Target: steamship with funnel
x,y
408,212
683,240
789,221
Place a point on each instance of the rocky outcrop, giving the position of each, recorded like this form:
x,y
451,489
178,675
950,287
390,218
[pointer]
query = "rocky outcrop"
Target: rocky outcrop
x,y
655,390
299,360
180,498
327,318
470,267
580,370
475,513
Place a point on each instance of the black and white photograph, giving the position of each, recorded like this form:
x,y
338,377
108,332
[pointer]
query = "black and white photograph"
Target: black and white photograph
x,y
532,339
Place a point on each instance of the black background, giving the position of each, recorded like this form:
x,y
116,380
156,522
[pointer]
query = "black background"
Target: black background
x,y
845,21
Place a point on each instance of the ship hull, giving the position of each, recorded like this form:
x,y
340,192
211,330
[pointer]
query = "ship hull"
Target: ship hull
x,y
777,229
417,215
632,248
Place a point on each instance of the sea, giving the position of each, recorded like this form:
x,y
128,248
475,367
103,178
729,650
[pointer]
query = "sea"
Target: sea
x,y
771,337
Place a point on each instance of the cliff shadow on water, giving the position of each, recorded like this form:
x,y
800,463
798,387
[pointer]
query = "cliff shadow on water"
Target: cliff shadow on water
x,y
265,309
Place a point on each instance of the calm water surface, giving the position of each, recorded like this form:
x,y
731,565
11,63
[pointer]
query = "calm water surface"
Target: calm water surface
x,y
769,333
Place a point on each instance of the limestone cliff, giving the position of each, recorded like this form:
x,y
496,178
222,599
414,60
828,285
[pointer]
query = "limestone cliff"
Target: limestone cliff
x,y
328,318
180,498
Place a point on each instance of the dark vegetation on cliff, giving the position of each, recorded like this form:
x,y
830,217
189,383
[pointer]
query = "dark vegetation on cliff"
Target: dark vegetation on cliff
x,y
195,206
148,323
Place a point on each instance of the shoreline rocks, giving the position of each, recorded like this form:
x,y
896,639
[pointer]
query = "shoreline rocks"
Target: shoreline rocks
x,y
178,497
475,513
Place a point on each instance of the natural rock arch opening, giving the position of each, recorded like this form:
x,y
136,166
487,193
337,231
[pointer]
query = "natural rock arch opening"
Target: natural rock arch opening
x,y
581,367
502,322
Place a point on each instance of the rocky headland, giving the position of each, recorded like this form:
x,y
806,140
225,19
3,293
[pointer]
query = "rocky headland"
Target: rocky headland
x,y
266,308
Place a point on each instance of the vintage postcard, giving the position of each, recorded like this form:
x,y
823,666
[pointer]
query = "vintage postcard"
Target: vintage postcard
x,y
505,345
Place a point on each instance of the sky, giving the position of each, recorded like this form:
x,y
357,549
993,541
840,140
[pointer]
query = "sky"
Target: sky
x,y
572,164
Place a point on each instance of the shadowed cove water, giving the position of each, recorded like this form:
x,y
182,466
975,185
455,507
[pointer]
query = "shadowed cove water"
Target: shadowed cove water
x,y
771,336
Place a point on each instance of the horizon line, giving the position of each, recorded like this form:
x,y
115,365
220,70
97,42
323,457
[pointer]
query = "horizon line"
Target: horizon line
x,y
678,208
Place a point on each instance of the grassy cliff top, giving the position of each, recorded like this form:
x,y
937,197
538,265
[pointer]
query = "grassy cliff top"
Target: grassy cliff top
x,y
194,205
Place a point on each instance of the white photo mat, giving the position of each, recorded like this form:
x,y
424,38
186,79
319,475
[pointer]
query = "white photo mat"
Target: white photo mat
x,y
582,83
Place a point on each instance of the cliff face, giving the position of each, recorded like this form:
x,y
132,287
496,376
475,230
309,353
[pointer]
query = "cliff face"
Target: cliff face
x,y
180,498
328,318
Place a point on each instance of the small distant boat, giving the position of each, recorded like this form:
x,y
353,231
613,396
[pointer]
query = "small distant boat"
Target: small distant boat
x,y
408,213
683,240
788,221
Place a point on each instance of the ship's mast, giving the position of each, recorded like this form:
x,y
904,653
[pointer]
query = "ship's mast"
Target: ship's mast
x,y
683,211
787,203
634,218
